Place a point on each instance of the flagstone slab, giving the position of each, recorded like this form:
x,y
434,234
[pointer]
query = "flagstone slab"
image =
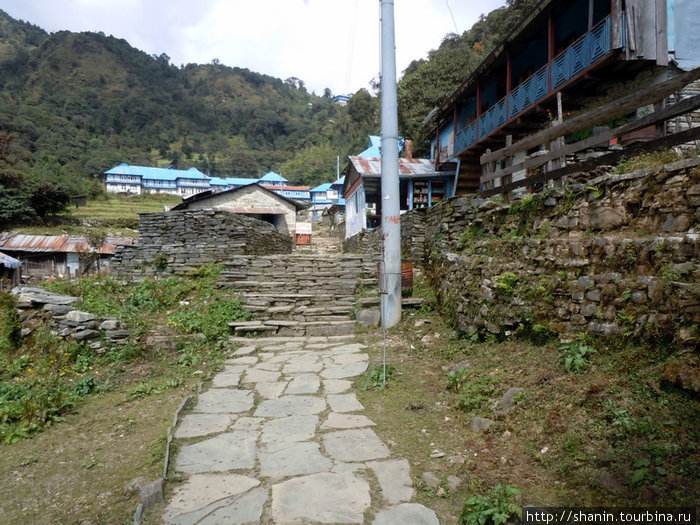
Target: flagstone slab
x,y
255,375
245,350
226,379
348,348
269,365
245,509
290,406
407,514
196,425
288,429
201,494
344,421
326,497
306,362
224,401
344,371
232,450
395,479
359,444
336,386
304,384
346,359
344,403
280,460
243,360
248,423
270,390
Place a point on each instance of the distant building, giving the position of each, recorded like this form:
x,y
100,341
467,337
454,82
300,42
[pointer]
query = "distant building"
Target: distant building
x,y
9,271
142,179
324,196
55,256
273,179
420,186
341,100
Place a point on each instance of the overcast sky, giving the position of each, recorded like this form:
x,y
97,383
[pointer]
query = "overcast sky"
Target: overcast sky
x,y
325,43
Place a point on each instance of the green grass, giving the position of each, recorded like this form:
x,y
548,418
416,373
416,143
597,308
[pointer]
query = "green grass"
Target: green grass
x,y
118,206
567,440
114,215
43,377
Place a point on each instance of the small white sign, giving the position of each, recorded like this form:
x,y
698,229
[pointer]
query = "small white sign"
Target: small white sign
x,y
304,227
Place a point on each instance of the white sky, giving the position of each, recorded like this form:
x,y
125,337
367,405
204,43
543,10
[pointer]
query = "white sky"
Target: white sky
x,y
325,43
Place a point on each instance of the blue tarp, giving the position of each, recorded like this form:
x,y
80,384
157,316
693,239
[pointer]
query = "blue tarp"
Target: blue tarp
x,y
9,262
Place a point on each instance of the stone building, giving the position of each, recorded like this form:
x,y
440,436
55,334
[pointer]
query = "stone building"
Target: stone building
x,y
254,201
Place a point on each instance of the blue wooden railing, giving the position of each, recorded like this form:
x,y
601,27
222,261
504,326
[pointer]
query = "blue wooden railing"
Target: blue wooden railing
x,y
529,92
466,137
576,58
588,49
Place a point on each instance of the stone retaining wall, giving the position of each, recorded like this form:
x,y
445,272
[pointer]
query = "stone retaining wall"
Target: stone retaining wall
x,y
178,242
617,256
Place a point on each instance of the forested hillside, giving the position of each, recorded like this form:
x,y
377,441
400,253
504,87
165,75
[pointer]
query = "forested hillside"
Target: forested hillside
x,y
426,83
73,105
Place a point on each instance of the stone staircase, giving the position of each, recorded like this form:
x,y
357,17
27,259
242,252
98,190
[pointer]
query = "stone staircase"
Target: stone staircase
x,y
302,294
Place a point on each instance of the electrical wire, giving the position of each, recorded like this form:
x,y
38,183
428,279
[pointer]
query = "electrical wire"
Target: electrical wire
x,y
447,2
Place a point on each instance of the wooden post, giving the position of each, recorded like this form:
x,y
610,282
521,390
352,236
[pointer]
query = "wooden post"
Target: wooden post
x,y
486,171
508,178
558,142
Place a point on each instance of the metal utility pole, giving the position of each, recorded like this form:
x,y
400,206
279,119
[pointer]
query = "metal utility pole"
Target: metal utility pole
x,y
391,218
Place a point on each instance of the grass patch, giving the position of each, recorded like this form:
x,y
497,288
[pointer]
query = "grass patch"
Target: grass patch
x,y
44,377
616,435
97,418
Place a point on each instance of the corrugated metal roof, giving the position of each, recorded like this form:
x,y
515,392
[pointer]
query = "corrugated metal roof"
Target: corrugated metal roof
x,y
372,166
9,262
57,243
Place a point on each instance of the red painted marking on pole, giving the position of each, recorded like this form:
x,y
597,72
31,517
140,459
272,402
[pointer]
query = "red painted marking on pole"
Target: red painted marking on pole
x,y
396,219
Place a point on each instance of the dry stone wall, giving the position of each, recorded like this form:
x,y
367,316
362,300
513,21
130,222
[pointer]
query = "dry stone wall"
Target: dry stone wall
x,y
177,242
616,256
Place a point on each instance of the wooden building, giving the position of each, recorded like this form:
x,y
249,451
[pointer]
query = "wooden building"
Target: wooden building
x,y
566,58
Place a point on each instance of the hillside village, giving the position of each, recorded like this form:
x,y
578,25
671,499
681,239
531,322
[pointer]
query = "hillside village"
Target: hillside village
x,y
549,240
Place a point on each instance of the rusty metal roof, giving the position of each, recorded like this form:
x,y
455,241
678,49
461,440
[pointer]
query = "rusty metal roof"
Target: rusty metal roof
x,y
372,166
56,243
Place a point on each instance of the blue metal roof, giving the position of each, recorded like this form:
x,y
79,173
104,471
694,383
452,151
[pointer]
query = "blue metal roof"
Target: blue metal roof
x,y
271,176
231,181
321,187
148,173
9,262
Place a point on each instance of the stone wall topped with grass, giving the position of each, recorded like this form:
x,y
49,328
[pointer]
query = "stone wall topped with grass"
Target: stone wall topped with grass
x,y
615,256
177,242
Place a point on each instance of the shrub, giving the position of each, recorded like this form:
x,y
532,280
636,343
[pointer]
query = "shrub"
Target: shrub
x,y
493,509
505,282
576,356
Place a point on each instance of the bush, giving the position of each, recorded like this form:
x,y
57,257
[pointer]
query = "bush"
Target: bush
x,y
493,509
576,356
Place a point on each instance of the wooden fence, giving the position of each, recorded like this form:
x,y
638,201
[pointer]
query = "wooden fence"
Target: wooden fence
x,y
549,163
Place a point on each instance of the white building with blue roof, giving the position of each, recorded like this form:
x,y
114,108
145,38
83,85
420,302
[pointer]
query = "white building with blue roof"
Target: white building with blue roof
x,y
273,179
143,179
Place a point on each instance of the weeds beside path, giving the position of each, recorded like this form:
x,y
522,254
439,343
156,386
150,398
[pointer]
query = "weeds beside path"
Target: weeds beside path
x,y
609,435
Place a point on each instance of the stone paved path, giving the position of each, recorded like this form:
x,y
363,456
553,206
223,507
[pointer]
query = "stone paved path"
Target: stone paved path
x,y
280,438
